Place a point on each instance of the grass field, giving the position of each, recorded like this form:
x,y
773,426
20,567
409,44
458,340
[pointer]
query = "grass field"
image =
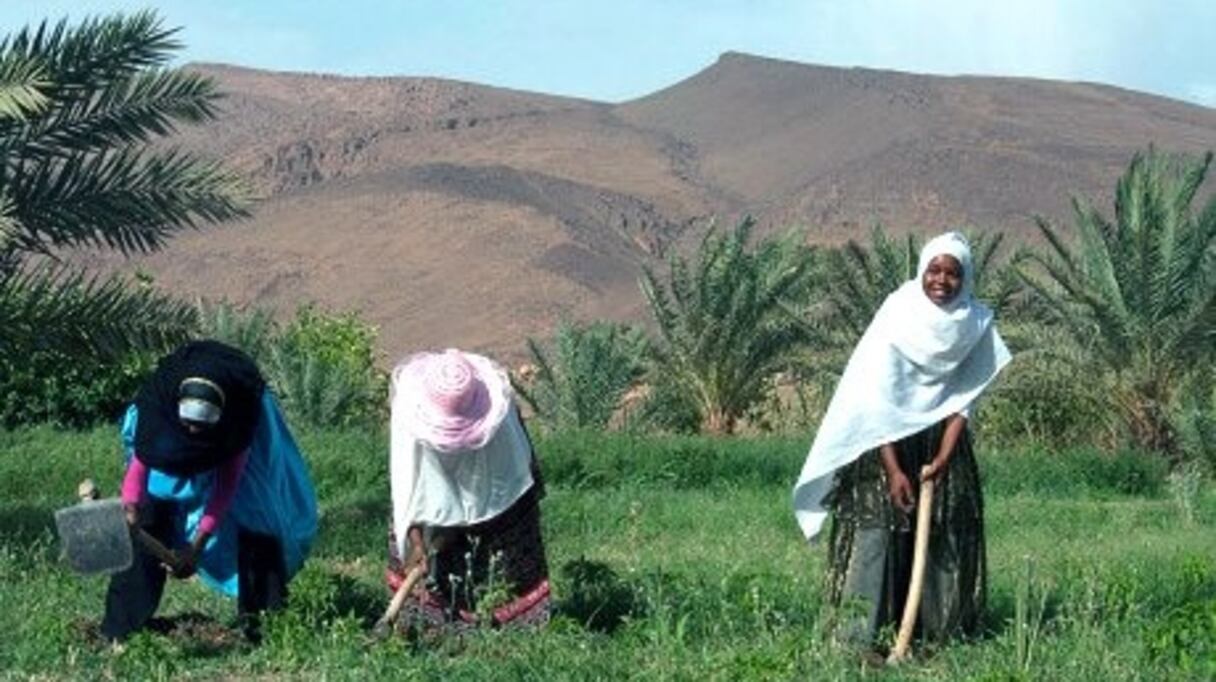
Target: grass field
x,y
1096,573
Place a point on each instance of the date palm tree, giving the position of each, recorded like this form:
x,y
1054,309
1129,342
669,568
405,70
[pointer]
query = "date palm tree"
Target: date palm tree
x,y
724,320
580,381
1138,290
80,110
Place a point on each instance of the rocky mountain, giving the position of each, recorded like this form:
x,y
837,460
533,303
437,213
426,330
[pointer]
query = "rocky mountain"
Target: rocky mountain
x,y
452,213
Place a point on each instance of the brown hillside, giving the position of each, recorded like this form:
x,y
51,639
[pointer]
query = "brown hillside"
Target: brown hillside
x,y
458,214
837,149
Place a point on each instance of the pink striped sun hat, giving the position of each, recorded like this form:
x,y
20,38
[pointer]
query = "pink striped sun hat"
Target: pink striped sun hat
x,y
452,400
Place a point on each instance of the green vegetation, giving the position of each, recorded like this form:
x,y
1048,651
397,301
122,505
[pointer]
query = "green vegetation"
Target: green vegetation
x,y
322,366
80,110
581,381
1138,293
724,322
80,107
673,558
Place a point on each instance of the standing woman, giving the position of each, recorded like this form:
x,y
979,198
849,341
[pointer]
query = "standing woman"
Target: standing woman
x,y
466,493
214,474
900,409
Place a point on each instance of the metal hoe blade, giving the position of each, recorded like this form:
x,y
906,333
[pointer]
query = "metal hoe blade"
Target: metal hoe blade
x,y
95,536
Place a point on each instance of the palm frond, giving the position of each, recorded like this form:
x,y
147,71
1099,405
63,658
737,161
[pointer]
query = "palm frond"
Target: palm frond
x,y
132,111
1139,291
96,51
23,85
126,199
52,306
78,165
726,314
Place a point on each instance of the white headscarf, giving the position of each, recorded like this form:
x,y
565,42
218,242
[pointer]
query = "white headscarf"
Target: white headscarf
x,y
916,364
434,487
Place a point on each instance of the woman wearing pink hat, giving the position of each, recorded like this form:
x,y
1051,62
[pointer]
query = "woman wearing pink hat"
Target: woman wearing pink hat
x,y
466,491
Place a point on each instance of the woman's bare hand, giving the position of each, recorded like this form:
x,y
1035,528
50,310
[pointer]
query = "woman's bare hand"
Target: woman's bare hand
x,y
418,551
901,492
131,511
934,469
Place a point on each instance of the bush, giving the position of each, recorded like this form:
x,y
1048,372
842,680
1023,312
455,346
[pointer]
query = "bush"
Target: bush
x,y
1186,638
253,331
50,386
792,406
1050,397
596,596
322,366
1196,420
580,382
724,319
663,406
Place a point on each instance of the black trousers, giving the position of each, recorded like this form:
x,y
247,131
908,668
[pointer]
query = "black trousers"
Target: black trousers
x,y
134,594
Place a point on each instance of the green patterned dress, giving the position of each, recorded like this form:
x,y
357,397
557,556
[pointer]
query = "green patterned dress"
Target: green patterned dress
x,y
871,544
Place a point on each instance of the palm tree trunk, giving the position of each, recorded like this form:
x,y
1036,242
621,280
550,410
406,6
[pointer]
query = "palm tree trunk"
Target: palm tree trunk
x,y
1151,428
718,422
1144,406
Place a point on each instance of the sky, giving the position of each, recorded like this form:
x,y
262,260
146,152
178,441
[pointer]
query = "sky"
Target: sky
x,y
622,49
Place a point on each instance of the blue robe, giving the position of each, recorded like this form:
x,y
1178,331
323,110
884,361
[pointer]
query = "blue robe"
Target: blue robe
x,y
274,497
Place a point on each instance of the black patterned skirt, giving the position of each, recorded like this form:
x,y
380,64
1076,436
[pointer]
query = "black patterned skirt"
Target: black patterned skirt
x,y
493,572
871,544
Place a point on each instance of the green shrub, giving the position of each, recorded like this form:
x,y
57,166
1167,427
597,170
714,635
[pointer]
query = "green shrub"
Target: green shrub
x,y
1048,396
251,330
1196,421
791,406
1136,290
595,596
323,369
1186,638
322,366
724,321
664,406
50,386
580,382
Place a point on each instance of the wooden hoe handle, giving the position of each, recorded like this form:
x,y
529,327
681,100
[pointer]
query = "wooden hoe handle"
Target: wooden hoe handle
x,y
385,625
154,547
924,510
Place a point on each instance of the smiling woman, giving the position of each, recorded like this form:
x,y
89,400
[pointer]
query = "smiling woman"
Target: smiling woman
x,y
942,279
899,417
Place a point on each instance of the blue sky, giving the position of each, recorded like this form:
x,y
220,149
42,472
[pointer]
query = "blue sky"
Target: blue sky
x,y
627,48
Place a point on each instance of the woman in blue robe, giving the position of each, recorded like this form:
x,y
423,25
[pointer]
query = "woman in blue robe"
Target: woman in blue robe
x,y
214,474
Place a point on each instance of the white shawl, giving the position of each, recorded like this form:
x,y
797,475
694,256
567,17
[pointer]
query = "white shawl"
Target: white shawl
x,y
434,488
916,364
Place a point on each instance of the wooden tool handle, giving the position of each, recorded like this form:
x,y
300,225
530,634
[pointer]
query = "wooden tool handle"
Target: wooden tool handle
x,y
384,625
924,510
154,547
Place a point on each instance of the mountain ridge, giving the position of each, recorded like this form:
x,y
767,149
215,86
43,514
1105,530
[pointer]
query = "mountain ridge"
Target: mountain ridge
x,y
453,213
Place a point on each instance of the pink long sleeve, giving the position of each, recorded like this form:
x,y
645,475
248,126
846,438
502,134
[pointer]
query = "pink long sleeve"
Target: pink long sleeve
x,y
135,482
227,481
